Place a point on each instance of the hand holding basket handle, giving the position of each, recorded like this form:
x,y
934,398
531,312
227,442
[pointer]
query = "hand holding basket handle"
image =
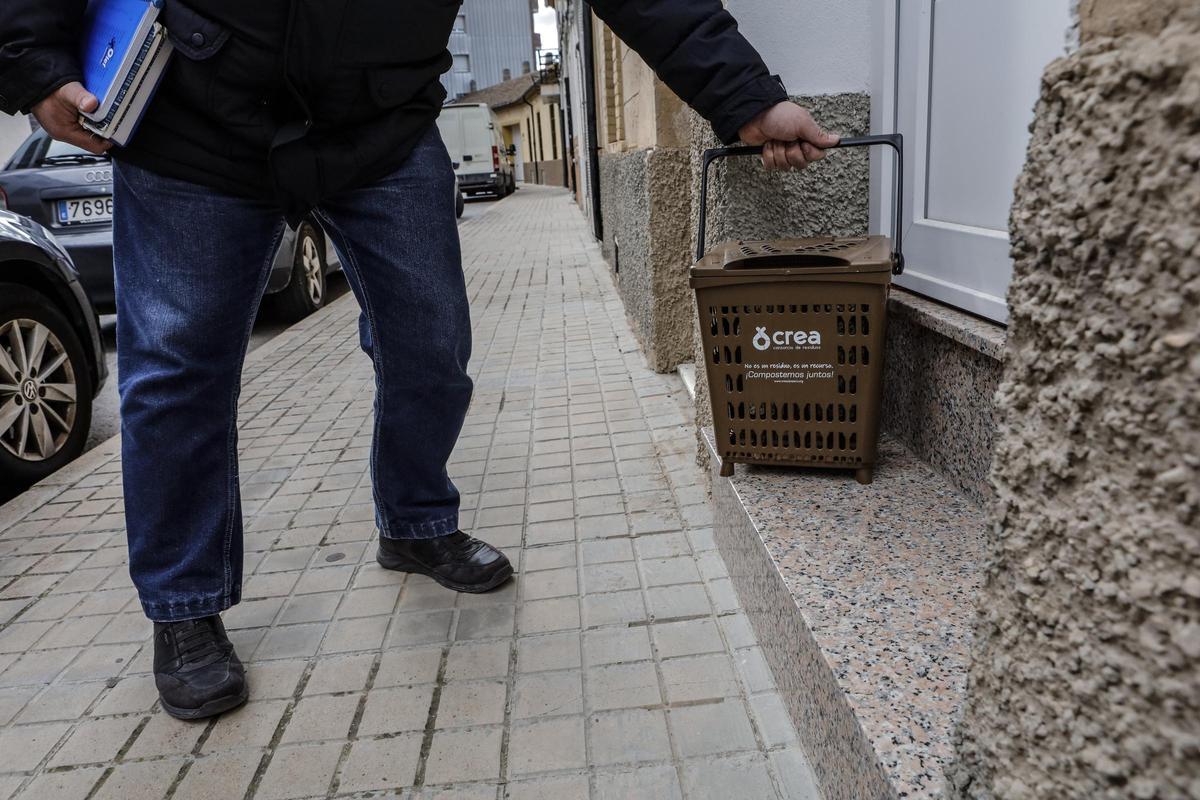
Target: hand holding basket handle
x,y
893,140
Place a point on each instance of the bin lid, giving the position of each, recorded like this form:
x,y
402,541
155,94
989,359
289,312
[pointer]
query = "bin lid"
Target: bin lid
x,y
812,256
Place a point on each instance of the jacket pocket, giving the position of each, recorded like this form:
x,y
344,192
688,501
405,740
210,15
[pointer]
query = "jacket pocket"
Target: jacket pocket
x,y
196,37
395,31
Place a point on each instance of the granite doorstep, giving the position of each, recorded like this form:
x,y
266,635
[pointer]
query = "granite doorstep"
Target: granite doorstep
x,y
863,600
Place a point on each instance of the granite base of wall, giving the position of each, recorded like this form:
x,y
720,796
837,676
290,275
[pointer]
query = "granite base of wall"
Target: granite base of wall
x,y
863,600
646,208
940,378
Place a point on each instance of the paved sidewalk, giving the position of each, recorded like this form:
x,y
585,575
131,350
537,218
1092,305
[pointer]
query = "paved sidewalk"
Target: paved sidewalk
x,y
616,666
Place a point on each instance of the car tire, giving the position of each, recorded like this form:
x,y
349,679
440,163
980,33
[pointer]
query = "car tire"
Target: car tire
x,y
38,438
307,290
460,205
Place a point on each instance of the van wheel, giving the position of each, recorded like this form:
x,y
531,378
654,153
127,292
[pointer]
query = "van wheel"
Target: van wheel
x,y
305,292
46,401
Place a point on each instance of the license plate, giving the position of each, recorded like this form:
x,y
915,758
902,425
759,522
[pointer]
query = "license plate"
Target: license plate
x,y
84,210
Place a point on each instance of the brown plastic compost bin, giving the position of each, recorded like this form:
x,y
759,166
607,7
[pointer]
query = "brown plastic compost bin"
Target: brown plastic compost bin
x,y
793,334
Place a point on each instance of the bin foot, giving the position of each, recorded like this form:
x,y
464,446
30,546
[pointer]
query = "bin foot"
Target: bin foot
x,y
864,475
726,469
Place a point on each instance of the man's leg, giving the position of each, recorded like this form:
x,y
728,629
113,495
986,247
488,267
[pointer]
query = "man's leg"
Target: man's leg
x,y
399,245
191,265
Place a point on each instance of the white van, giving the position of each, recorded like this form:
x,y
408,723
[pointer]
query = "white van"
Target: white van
x,y
477,148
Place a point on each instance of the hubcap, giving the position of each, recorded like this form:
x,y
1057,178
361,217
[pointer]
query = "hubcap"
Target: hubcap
x,y
37,391
314,280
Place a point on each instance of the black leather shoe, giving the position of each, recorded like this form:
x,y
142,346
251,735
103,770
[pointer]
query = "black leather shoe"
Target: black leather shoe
x,y
457,561
197,673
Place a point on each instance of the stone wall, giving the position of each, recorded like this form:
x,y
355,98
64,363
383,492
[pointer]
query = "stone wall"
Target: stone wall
x,y
645,206
1086,672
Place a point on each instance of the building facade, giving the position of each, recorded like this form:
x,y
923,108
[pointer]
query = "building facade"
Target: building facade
x,y
1044,639
492,42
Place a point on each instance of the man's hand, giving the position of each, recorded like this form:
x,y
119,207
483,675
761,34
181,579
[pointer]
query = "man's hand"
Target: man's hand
x,y
59,115
790,138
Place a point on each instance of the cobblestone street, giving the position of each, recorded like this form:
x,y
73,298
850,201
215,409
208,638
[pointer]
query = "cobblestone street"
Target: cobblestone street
x,y
617,665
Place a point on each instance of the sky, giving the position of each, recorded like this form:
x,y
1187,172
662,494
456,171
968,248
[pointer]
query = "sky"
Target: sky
x,y
545,23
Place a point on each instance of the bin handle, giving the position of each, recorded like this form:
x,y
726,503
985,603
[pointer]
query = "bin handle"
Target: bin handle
x,y
892,140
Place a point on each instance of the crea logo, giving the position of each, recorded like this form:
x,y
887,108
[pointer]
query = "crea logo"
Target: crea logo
x,y
110,52
764,341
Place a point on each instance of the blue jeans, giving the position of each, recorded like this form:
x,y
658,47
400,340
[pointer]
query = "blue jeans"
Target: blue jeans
x,y
191,267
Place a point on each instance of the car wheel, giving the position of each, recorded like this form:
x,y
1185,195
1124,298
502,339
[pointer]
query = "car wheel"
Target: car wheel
x,y
305,292
45,387
459,204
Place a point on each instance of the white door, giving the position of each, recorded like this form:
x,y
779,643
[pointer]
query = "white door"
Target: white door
x,y
963,84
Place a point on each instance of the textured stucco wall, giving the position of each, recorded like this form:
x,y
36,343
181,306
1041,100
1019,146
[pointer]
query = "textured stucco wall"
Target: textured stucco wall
x,y
645,205
1086,671
745,202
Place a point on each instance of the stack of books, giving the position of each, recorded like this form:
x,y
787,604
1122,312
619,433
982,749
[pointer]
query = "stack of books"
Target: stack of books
x,y
123,52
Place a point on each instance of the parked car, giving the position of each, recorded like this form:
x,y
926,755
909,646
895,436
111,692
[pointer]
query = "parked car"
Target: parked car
x,y
69,191
51,354
473,140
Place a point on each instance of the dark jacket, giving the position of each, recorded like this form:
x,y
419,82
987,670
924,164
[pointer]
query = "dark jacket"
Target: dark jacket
x,y
290,101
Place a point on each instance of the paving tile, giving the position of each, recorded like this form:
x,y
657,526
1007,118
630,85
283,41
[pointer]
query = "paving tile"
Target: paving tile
x,y
611,577
628,736
291,641
471,703
643,783
485,623
148,780
131,695
219,776
299,771
557,787
408,666
14,699
94,741
166,736
26,746
687,637
320,718
705,677
396,710
623,686
720,779
613,608
353,635
542,616
71,785
616,645
458,756
252,725
670,602
551,583
552,651
474,660
62,701
381,764
547,745
712,728
548,693
796,777
340,674
421,627
270,680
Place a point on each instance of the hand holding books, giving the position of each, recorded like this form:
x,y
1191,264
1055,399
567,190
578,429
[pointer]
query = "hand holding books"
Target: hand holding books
x,y
60,115
123,54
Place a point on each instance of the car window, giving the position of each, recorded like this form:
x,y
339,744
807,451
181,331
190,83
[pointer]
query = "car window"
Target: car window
x,y
61,151
25,153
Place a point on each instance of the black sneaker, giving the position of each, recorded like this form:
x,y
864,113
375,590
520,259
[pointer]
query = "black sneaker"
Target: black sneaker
x,y
197,673
456,561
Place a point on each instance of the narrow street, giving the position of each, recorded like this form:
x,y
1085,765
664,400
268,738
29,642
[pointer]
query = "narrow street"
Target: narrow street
x,y
617,665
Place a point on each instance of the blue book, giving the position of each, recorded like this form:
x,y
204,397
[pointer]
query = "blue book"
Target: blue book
x,y
116,37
